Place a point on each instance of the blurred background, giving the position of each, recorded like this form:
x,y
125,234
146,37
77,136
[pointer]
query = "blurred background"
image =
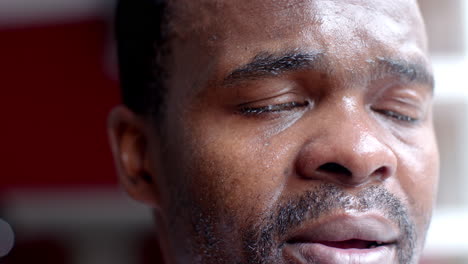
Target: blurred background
x,y
58,188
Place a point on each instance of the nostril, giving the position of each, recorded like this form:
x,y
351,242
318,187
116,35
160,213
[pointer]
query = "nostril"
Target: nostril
x,y
334,168
381,172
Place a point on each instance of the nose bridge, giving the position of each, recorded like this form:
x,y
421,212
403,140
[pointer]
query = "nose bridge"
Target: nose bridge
x,y
347,126
348,149
350,135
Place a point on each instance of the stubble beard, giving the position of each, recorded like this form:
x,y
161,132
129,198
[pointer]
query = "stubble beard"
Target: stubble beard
x,y
261,239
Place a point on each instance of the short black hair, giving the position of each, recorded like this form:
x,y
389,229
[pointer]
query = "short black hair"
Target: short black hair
x,y
141,28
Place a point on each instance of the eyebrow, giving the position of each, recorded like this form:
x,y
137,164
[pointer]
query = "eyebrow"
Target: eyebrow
x,y
269,65
266,65
412,71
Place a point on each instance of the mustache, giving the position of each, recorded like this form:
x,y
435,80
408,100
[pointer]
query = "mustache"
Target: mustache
x,y
320,202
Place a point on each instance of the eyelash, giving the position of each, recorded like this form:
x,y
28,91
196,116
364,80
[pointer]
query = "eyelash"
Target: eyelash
x,y
398,116
272,108
249,111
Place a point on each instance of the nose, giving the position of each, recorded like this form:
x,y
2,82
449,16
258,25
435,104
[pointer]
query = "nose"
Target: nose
x,y
346,151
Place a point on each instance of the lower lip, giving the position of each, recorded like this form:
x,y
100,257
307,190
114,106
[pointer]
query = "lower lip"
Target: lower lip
x,y
313,253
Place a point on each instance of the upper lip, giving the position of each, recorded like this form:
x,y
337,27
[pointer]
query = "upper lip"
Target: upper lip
x,y
343,227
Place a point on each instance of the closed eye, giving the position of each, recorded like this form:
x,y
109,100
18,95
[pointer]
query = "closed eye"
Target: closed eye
x,y
397,116
252,111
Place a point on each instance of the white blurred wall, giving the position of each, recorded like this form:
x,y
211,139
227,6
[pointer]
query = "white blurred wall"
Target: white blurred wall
x,y
447,26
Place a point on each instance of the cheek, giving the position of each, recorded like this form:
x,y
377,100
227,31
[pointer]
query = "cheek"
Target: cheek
x,y
245,173
418,174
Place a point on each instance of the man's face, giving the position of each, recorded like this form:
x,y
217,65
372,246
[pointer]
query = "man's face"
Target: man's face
x,y
296,132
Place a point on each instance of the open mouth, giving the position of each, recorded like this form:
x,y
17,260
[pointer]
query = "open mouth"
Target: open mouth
x,y
346,244
340,252
344,239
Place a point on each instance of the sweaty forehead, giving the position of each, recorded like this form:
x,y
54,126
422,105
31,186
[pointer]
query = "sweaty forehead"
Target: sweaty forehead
x,y
225,19
234,31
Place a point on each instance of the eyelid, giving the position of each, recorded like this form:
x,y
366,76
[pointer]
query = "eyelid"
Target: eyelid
x,y
278,98
265,89
277,104
401,111
408,104
272,99
273,108
409,95
400,117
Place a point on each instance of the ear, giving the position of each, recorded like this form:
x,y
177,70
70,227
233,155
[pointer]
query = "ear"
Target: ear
x,y
130,143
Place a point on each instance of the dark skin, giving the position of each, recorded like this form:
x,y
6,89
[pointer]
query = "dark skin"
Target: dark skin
x,y
293,132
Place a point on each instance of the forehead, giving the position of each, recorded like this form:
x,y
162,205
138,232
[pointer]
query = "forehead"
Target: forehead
x,y
232,32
